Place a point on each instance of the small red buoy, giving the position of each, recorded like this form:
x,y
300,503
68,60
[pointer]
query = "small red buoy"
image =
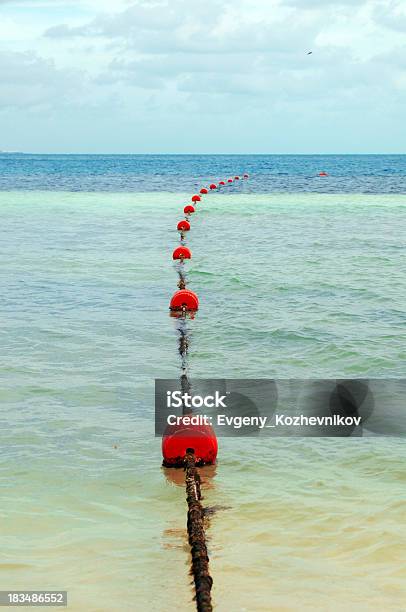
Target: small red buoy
x,y
230,181
189,209
203,190
181,252
245,176
213,186
323,173
178,438
183,226
184,299
221,183
196,198
237,178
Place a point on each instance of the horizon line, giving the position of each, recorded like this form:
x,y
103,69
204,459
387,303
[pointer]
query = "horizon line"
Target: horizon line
x,y
184,154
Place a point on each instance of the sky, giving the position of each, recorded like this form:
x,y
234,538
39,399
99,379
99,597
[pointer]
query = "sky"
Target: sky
x,y
211,76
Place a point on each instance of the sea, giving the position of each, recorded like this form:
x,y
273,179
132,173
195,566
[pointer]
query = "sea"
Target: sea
x,y
299,276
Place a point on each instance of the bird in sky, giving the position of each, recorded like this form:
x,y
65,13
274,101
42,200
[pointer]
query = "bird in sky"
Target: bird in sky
x,y
309,52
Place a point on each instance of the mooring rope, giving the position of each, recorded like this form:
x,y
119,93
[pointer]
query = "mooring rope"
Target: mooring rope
x,y
195,517
197,540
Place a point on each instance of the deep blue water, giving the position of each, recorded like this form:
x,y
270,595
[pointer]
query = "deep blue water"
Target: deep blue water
x,y
141,173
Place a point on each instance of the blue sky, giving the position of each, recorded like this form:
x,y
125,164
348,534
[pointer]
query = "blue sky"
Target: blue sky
x,y
203,76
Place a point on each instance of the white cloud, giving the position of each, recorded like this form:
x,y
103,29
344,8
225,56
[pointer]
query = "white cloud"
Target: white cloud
x,y
314,4
31,81
391,14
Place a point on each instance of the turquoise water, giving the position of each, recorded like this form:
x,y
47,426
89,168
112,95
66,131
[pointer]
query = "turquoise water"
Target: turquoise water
x,y
290,285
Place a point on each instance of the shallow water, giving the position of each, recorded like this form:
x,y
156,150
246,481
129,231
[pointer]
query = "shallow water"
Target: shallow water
x,y
291,285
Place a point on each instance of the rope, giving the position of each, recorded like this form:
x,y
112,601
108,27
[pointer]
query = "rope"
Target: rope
x,y
195,517
197,540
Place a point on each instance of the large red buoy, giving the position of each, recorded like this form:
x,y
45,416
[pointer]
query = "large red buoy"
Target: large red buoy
x,y
213,186
189,209
196,198
230,181
203,190
184,299
183,226
221,183
181,252
323,173
178,438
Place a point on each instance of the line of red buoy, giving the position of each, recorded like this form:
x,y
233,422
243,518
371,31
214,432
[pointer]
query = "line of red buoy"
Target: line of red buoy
x,y
185,300
179,439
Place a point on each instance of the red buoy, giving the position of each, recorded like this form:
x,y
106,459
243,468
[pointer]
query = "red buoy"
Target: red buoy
x,y
221,183
245,176
183,226
230,181
237,178
189,209
203,190
213,186
178,438
196,198
181,252
184,299
323,173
